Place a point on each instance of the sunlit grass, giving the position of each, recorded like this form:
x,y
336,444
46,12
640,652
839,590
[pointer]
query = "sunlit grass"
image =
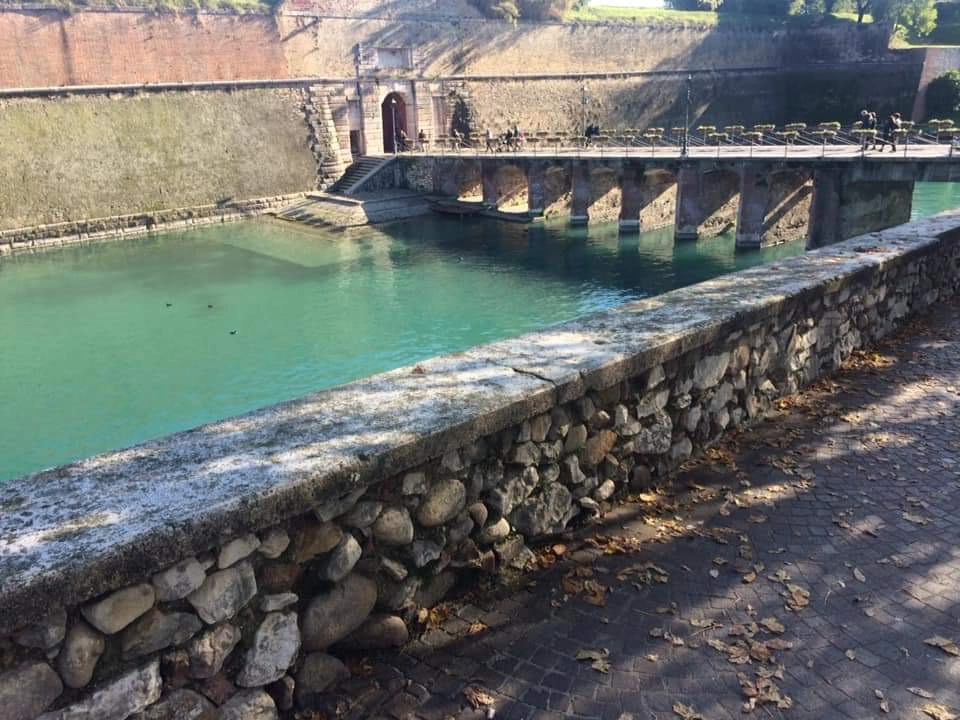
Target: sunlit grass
x,y
698,18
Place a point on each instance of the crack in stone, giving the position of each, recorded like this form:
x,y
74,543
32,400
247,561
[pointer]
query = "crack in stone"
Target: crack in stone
x,y
536,375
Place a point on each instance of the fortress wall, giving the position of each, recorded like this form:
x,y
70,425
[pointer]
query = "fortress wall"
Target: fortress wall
x,y
555,105
48,48
96,156
936,62
43,48
324,46
91,156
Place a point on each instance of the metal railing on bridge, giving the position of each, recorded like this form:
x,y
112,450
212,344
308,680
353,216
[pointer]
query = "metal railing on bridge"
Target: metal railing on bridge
x,y
829,137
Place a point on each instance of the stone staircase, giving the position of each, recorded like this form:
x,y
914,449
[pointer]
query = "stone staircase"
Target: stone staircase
x,y
361,168
333,212
330,157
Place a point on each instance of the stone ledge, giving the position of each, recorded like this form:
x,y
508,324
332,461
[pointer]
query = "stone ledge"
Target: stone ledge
x,y
41,237
77,531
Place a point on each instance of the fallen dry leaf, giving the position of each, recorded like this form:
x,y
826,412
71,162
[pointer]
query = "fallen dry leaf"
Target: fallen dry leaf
x,y
797,597
593,654
772,625
948,646
918,519
598,656
920,692
478,697
851,655
686,712
858,574
477,628
938,711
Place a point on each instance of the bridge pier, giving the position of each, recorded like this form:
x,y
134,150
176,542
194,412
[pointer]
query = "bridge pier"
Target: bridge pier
x,y
488,179
445,177
851,200
631,196
580,192
773,206
536,189
705,202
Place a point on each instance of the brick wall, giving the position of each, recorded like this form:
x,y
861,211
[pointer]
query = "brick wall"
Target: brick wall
x,y
46,48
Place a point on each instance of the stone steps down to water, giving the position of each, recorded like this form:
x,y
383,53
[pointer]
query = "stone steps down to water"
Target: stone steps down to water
x,y
361,169
335,211
239,565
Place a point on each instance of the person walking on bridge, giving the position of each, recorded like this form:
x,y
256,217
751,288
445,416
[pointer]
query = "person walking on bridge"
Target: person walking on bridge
x,y
890,130
868,121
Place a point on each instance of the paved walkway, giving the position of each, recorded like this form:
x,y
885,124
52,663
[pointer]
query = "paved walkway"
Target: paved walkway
x,y
805,565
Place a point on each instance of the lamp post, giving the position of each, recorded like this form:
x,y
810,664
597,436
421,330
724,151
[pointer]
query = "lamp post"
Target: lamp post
x,y
393,113
686,116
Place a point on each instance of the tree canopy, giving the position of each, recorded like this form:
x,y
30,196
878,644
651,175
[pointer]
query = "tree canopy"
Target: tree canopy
x,y
943,95
513,10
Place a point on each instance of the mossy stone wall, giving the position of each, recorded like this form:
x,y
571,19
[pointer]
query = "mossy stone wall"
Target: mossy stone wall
x,y
96,156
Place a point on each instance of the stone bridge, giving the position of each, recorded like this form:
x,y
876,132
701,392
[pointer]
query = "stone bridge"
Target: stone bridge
x,y
770,194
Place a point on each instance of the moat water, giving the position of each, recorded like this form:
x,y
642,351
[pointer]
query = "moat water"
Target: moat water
x,y
112,344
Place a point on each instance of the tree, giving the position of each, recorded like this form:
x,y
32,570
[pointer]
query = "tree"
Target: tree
x,y
943,95
512,10
771,8
710,5
499,9
919,17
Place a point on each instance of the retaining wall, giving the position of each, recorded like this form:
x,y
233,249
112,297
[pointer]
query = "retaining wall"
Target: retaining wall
x,y
48,48
241,562
74,158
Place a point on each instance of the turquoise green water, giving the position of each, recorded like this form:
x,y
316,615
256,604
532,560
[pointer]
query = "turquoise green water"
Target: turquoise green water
x,y
112,344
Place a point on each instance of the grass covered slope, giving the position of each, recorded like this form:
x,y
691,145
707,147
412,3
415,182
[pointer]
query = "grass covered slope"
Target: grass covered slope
x,y
700,18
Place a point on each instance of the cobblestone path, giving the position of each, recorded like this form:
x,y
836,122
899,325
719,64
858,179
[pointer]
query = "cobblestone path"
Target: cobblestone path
x,y
835,522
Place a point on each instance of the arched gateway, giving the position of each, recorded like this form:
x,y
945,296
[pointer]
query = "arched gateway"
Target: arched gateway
x,y
394,113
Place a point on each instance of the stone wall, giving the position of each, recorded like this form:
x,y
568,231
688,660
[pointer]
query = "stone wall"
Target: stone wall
x,y
120,46
413,479
937,61
633,74
39,237
69,159
48,48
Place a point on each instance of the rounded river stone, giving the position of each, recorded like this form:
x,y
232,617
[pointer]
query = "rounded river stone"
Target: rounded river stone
x,y
442,503
333,615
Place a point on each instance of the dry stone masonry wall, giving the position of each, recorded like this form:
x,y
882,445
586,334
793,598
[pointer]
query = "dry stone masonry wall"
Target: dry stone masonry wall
x,y
264,621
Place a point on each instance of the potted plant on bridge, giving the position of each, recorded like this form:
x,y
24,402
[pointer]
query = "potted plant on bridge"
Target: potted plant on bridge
x,y
824,134
753,137
706,131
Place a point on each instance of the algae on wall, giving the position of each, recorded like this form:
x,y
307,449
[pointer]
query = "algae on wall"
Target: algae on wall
x,y
97,156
